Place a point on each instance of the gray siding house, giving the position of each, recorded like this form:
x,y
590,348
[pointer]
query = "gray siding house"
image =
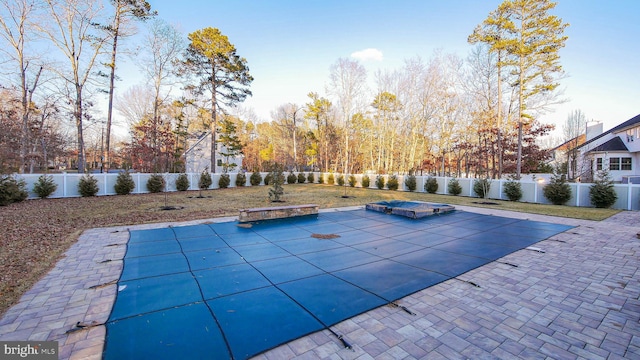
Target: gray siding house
x,y
198,156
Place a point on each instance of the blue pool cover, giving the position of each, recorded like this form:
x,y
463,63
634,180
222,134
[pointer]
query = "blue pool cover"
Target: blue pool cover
x,y
221,291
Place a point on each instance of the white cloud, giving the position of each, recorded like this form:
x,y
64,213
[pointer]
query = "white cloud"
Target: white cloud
x,y
368,54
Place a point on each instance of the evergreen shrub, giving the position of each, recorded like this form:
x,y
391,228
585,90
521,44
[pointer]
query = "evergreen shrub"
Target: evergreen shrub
x,y
124,184
291,178
45,186
224,181
513,190
156,183
557,191
431,185
88,186
255,179
366,181
352,181
182,182
602,193
481,187
411,183
205,180
392,183
241,179
12,190
454,187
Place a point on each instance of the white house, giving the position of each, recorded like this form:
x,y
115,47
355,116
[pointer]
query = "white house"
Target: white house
x,y
617,150
198,156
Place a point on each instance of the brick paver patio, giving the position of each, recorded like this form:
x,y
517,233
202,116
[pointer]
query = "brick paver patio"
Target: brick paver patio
x,y
579,298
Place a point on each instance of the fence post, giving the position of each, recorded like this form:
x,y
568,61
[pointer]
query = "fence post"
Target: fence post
x,y
105,183
138,183
629,194
64,184
535,191
577,194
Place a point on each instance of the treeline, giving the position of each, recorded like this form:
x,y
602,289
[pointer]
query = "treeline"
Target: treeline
x,y
447,115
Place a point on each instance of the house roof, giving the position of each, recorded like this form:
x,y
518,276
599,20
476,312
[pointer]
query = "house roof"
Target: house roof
x,y
198,141
633,121
579,140
614,144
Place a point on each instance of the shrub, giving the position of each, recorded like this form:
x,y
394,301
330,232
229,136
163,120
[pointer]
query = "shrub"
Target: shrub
x,y
241,179
431,185
156,183
267,179
277,176
12,190
291,178
331,179
321,178
454,187
366,182
301,178
224,181
88,186
352,181
124,184
255,179
411,183
311,177
341,180
182,182
205,180
380,182
602,192
481,187
45,186
557,191
513,190
392,183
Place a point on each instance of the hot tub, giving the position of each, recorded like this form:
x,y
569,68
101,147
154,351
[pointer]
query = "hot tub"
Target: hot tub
x,y
410,209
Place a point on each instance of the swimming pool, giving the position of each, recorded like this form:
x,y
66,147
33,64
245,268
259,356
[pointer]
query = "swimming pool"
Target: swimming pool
x,y
224,291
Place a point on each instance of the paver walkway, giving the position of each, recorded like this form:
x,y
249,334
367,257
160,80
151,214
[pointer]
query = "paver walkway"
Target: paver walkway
x,y
578,299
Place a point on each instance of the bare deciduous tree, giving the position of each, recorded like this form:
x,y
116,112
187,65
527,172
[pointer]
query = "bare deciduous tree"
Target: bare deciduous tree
x,y
71,27
14,18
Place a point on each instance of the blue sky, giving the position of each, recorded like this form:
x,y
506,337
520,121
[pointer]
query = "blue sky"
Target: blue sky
x,y
290,45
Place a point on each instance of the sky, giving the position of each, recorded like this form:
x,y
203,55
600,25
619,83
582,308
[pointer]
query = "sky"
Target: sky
x,y
290,45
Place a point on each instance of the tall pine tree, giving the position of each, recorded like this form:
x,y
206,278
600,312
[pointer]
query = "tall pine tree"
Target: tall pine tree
x,y
218,71
529,38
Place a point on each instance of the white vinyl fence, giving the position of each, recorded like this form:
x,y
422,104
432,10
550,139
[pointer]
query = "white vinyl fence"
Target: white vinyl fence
x,y
628,194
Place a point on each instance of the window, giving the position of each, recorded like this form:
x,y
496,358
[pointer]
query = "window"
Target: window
x,y
625,163
599,164
614,164
219,162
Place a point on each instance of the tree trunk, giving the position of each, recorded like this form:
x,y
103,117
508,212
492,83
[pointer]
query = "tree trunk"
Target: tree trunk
x,y
78,115
499,115
112,65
